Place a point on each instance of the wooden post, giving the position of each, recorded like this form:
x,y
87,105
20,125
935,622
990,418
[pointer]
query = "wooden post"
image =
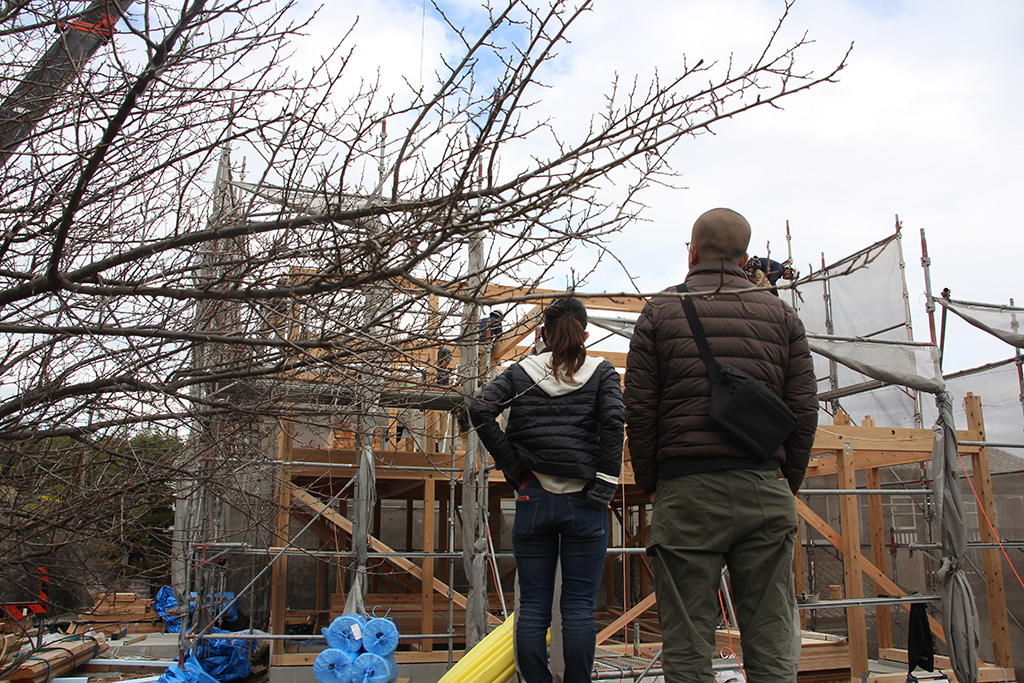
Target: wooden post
x,y
442,513
282,525
409,512
883,614
427,590
321,586
992,557
430,440
876,524
853,578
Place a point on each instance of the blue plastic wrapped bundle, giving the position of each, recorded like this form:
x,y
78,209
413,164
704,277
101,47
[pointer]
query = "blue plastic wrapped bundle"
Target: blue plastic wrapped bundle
x,y
223,661
371,668
249,649
380,636
163,604
334,666
346,633
392,667
192,672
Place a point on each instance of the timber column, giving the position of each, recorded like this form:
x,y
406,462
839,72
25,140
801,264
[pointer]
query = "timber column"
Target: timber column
x,y
992,557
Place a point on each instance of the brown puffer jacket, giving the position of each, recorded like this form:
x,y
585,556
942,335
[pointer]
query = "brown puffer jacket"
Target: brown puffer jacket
x,y
667,389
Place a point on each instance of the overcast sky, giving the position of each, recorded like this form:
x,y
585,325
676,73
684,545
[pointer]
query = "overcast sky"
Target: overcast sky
x,y
923,123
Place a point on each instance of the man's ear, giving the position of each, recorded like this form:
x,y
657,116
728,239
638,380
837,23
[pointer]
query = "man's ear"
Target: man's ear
x,y
743,261
693,256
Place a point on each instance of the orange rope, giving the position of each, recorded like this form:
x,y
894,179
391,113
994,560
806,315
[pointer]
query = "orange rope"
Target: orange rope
x,y
991,526
728,632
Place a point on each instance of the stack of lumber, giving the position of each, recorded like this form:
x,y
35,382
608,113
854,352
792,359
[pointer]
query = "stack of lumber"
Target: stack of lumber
x,y
819,652
58,658
118,614
9,643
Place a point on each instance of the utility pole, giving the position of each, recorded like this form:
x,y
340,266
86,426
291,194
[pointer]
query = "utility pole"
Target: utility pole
x,y
79,39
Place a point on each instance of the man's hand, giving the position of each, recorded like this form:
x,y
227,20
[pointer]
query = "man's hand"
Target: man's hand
x,y
652,496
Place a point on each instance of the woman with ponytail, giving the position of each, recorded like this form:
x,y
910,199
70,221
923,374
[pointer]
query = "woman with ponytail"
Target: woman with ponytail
x,y
561,451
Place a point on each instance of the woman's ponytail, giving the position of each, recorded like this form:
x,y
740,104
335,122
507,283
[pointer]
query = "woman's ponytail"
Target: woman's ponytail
x,y
565,322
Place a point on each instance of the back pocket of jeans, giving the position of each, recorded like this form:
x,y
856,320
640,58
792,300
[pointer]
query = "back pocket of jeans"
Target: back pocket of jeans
x,y
587,520
526,513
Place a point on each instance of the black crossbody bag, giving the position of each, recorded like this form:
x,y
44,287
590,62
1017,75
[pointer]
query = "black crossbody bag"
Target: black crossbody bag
x,y
741,404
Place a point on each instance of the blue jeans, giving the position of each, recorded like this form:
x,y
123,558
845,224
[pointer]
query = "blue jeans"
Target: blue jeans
x,y
547,527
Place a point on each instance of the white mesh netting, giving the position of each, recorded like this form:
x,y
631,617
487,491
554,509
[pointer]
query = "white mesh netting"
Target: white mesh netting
x,y
1004,322
857,300
855,312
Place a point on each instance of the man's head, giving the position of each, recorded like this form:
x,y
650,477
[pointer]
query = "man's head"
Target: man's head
x,y
719,234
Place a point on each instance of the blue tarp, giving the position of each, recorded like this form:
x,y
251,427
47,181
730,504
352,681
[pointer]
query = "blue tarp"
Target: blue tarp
x,y
192,673
222,660
165,602
218,660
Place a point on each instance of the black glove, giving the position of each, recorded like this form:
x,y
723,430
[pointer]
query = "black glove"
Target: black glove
x,y
514,473
601,494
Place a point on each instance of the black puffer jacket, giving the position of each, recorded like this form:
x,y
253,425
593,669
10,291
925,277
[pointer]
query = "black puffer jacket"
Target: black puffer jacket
x,y
563,429
668,390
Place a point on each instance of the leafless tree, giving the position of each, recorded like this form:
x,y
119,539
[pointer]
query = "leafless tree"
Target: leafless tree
x,y
136,294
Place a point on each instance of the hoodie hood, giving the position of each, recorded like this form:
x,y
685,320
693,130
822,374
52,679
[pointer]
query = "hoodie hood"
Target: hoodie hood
x,y
539,369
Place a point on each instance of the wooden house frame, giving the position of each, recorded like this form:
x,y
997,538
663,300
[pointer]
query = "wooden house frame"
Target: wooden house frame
x,y
310,478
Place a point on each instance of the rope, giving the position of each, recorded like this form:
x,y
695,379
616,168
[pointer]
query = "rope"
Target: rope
x,y
984,513
728,631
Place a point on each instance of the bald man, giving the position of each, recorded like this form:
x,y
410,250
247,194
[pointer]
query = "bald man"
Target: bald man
x,y
715,501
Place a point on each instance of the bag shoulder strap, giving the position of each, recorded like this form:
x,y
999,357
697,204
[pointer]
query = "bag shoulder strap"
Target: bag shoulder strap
x,y
698,330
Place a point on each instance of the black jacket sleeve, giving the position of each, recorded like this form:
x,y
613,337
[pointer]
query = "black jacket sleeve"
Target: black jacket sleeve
x,y
800,394
643,398
610,417
483,414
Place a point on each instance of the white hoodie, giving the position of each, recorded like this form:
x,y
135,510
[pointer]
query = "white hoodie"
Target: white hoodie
x,y
539,369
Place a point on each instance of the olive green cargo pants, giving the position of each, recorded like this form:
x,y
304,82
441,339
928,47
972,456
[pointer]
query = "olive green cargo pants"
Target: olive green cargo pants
x,y
746,519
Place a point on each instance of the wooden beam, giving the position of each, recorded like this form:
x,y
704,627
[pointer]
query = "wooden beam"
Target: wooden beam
x,y
599,302
985,675
307,658
831,438
523,328
426,591
890,654
876,522
853,578
631,614
991,557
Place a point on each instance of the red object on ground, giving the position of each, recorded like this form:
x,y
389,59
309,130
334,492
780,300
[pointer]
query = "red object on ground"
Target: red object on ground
x,y
21,610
